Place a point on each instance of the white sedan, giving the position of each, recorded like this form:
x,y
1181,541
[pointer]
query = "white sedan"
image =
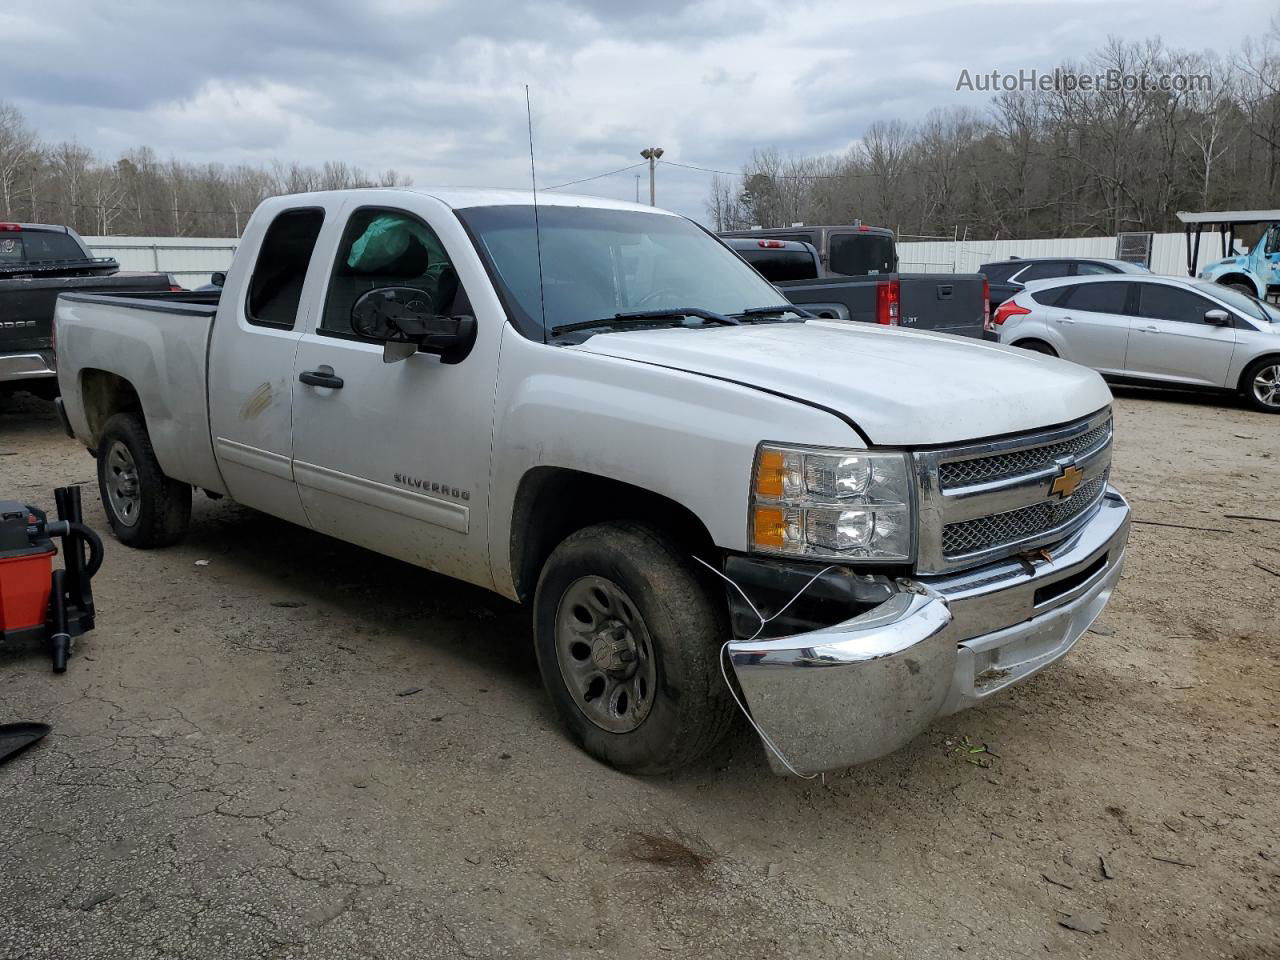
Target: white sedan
x,y
1152,330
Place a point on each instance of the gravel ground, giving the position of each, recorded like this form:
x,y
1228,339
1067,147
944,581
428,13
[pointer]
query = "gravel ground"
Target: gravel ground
x,y
240,767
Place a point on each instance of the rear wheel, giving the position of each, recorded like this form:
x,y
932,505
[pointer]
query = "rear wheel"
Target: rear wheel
x,y
1037,346
628,642
144,507
1260,385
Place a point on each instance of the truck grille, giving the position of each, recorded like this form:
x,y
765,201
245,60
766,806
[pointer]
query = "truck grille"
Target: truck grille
x,y
963,473
986,501
971,536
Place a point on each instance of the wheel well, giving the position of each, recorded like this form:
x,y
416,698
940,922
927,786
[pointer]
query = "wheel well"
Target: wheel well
x,y
553,502
1025,340
104,395
1237,278
1242,385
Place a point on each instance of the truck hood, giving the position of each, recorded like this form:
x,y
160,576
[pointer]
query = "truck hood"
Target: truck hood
x,y
901,387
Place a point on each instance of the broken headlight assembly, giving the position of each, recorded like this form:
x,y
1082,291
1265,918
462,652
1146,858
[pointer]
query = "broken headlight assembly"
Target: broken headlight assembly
x,y
848,506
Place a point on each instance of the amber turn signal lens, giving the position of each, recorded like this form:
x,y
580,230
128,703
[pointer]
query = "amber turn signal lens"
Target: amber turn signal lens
x,y
769,527
769,474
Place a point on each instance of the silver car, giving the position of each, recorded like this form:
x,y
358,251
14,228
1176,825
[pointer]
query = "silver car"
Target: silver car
x,y
1152,330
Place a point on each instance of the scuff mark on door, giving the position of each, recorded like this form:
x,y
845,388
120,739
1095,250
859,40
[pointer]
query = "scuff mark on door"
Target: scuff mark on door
x,y
258,401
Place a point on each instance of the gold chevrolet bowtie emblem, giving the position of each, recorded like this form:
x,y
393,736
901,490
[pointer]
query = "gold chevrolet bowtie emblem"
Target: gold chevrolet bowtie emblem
x,y
1065,483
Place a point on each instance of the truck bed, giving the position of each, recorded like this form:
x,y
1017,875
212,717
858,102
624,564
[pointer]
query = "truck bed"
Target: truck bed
x,y
27,299
944,303
157,342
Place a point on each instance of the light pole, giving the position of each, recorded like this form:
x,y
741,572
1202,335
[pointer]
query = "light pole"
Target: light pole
x,y
652,154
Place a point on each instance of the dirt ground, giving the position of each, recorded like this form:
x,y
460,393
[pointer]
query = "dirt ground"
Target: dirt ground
x,y
240,769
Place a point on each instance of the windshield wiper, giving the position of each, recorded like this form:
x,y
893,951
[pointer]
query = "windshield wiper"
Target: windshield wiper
x,y
644,316
775,311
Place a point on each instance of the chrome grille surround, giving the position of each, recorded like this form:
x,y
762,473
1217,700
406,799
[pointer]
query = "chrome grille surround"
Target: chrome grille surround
x,y
985,501
963,473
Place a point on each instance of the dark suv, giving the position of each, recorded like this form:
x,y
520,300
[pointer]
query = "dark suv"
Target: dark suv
x,y
1007,277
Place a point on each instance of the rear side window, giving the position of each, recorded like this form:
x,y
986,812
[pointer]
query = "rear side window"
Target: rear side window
x,y
1052,297
780,265
861,254
1092,269
1045,271
276,286
1096,297
1158,301
26,246
999,272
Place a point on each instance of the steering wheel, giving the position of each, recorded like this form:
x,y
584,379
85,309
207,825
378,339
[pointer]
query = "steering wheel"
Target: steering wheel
x,y
645,300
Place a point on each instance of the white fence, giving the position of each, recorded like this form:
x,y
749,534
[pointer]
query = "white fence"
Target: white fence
x,y
1168,252
190,259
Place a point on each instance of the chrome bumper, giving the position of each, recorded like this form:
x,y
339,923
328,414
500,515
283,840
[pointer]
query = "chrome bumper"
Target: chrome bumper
x,y
26,366
860,689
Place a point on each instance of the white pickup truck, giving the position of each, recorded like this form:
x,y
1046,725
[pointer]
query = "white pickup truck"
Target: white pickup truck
x,y
598,409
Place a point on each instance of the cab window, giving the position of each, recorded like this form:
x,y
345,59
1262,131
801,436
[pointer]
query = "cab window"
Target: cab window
x,y
388,248
861,254
1273,240
276,286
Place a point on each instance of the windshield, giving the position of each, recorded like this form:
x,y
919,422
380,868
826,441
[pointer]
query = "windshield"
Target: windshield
x,y
1249,306
597,263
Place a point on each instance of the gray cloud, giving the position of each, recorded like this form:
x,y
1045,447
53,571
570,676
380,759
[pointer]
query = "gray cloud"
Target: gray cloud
x,y
436,89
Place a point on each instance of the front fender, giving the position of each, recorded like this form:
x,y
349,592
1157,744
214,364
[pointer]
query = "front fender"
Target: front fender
x,y
683,436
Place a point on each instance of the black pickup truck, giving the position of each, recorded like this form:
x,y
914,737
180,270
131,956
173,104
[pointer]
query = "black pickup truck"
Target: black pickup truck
x,y
851,273
38,262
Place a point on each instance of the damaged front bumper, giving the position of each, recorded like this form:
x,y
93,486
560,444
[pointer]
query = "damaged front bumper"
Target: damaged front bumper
x,y
857,690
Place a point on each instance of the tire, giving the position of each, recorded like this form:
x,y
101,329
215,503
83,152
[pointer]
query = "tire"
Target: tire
x,y
1253,389
144,507
1037,346
659,609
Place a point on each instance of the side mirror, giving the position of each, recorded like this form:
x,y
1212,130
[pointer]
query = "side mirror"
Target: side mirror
x,y
403,318
218,279
1217,318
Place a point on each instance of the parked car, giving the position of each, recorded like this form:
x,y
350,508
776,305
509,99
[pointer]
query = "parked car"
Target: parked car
x,y
1007,277
600,411
851,273
1153,330
37,262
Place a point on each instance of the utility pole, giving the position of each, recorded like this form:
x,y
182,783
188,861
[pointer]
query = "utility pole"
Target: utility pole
x,y
637,188
652,154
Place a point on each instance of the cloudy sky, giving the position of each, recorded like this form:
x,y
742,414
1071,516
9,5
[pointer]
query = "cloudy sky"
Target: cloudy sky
x,y
434,88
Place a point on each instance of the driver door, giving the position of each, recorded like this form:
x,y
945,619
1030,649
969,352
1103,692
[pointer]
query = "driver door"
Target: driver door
x,y
395,456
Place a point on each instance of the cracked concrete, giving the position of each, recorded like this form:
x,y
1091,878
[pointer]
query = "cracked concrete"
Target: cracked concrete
x,y
228,777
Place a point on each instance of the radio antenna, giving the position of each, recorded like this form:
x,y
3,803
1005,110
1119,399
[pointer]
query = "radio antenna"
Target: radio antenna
x,y
537,227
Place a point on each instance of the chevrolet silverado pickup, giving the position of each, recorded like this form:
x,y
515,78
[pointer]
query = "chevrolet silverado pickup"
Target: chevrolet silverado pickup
x,y
709,499
37,262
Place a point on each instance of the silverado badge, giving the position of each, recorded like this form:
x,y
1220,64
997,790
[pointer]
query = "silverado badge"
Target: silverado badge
x,y
1065,483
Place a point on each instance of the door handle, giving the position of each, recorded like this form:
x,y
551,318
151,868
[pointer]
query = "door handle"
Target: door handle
x,y
1065,320
1150,329
321,378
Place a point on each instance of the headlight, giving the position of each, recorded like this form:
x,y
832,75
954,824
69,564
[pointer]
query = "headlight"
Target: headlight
x,y
835,505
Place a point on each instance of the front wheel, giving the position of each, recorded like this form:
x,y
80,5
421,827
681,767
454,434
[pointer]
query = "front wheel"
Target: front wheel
x,y
144,507
1260,385
628,641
